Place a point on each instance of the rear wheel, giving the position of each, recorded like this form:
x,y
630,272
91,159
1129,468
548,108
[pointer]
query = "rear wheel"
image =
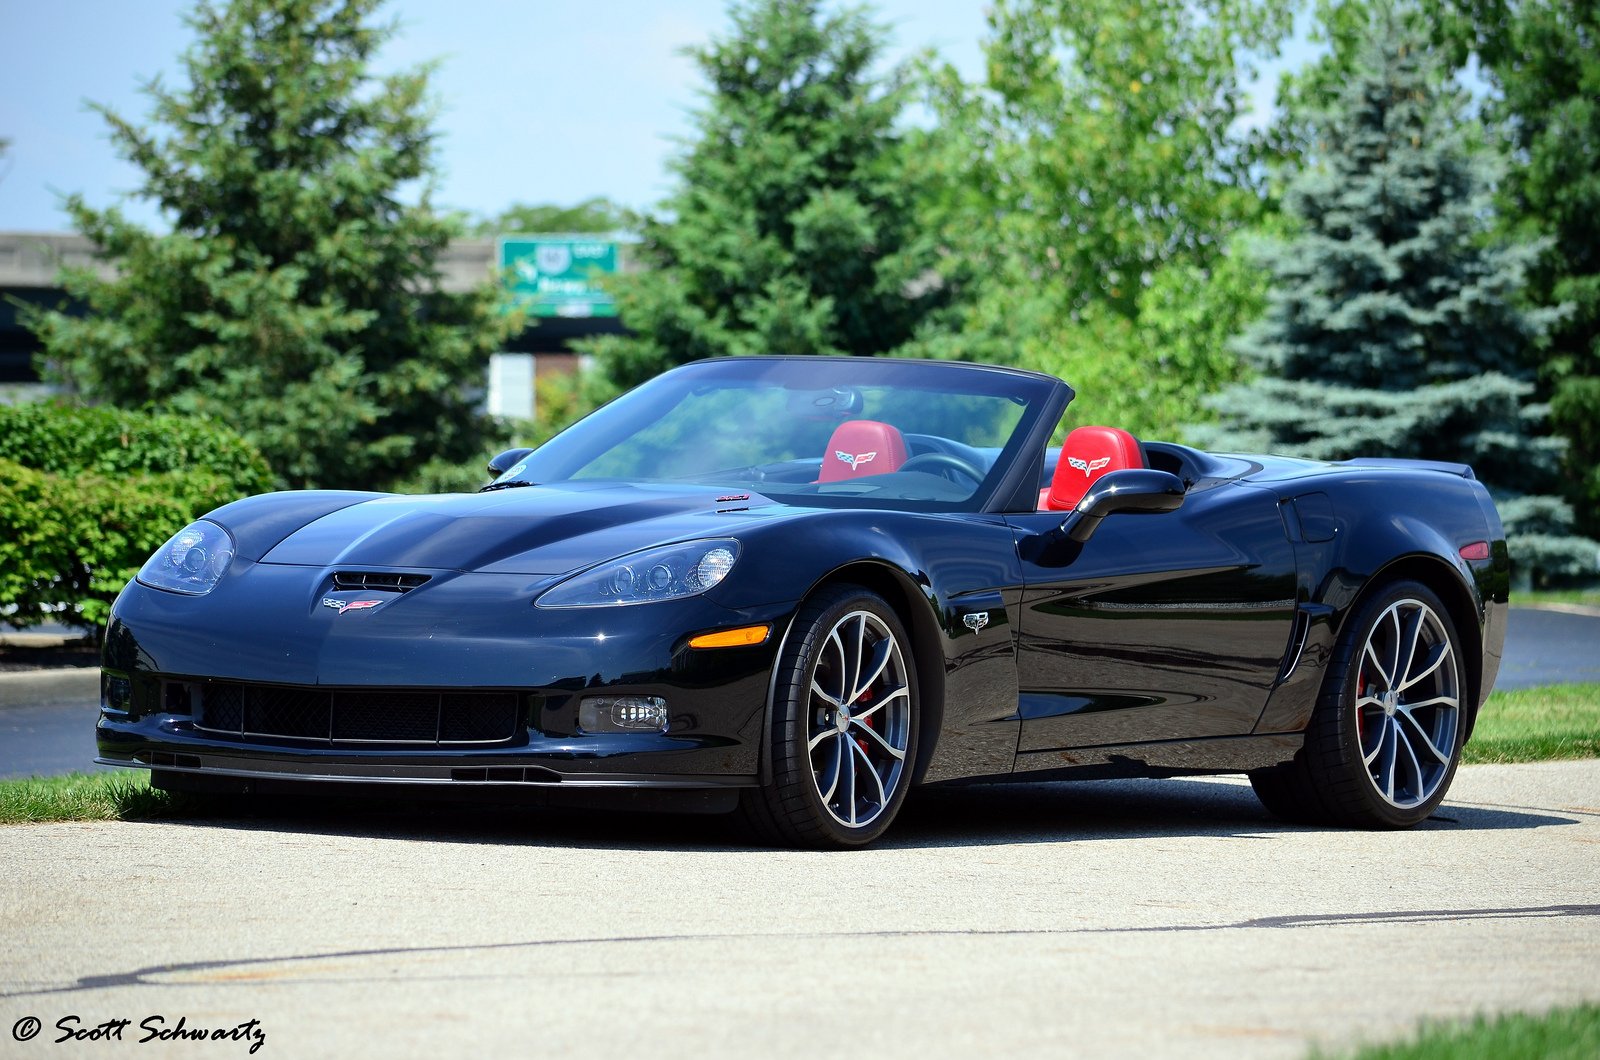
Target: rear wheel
x,y
844,725
1386,735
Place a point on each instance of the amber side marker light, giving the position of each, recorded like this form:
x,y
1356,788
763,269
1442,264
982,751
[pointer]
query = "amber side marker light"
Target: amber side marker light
x,y
742,637
1476,550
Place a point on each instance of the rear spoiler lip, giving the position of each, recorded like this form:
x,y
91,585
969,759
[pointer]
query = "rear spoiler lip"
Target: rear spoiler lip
x,y
1459,470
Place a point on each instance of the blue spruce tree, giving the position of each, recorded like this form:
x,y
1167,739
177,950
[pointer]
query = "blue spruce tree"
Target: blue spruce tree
x,y
1395,326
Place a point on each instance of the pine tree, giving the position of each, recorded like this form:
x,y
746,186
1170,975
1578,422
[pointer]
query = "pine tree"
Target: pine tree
x,y
1393,326
297,295
1544,56
791,230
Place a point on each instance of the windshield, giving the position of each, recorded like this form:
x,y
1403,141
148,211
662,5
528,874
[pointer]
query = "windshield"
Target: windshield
x,y
819,431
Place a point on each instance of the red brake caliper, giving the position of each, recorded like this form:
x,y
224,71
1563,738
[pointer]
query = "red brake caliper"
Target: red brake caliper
x,y
865,697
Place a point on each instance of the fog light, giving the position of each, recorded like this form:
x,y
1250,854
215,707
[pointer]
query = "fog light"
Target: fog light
x,y
623,714
116,693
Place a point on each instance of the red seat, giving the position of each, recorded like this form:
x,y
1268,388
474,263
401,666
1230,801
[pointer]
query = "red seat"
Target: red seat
x,y
1088,453
862,447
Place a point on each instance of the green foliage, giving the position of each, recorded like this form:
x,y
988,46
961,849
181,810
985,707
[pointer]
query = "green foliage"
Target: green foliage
x,y
792,228
1543,56
120,796
1393,326
1090,197
87,494
1559,1034
297,296
596,215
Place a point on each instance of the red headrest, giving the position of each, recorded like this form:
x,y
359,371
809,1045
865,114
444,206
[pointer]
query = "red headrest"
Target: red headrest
x,y
862,447
1088,453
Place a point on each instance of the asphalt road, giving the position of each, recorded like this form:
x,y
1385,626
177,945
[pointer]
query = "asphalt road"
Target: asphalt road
x,y
1542,647
1104,919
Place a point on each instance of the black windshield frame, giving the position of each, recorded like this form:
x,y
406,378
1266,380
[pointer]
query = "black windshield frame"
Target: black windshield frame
x,y
1041,398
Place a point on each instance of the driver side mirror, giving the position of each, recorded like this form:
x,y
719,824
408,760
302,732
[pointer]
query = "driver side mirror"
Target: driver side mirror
x,y
506,461
1133,490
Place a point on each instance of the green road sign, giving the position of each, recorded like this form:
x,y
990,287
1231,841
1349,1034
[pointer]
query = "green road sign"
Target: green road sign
x,y
559,276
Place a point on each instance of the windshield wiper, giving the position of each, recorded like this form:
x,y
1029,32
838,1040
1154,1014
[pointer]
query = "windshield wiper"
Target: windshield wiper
x,y
512,484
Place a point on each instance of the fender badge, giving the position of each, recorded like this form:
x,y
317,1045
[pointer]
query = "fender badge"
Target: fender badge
x,y
975,621
342,606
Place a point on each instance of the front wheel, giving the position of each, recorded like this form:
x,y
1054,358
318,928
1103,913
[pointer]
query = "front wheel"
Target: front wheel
x,y
843,732
1386,736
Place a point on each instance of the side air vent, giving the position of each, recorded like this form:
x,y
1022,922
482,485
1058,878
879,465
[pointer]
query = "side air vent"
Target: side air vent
x,y
378,580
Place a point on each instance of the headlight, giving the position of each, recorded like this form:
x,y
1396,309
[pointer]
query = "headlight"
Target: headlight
x,y
671,572
192,562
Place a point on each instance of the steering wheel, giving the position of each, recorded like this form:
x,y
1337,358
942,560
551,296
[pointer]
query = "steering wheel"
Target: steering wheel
x,y
944,462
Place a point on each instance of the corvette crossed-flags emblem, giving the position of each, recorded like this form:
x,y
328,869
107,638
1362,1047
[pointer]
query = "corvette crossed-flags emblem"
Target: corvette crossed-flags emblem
x,y
1088,467
854,459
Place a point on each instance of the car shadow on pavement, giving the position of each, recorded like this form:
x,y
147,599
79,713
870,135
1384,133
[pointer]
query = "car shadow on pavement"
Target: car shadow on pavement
x,y
969,815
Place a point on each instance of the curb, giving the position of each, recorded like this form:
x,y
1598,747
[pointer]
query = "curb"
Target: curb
x,y
1586,610
29,687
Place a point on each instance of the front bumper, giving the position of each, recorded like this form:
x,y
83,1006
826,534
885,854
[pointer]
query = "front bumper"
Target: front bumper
x,y
467,635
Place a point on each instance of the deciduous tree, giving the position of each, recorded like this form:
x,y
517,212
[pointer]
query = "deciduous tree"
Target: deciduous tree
x,y
297,294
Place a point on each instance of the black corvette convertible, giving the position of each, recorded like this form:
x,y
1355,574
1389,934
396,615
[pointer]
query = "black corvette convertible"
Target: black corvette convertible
x,y
800,587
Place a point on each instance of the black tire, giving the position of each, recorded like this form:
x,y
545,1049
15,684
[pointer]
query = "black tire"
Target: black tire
x,y
1381,750
813,799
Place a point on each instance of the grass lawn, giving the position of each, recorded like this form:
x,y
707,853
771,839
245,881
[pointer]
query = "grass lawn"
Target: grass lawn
x,y
1538,725
123,795
1560,1034
1588,597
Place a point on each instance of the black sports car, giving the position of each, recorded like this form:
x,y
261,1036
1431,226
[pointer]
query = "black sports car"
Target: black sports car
x,y
801,586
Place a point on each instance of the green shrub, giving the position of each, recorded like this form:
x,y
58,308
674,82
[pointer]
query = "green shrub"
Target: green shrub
x,y
87,494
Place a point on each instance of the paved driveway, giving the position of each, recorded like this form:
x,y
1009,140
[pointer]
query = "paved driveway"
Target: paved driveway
x,y
1103,919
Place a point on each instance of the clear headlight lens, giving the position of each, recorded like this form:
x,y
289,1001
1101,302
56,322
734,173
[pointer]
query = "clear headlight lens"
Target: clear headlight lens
x,y
670,572
192,561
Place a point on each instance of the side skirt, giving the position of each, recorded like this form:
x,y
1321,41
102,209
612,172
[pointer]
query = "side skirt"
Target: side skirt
x,y
1166,758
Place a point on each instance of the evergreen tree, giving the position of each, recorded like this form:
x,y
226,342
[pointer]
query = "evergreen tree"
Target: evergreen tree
x,y
1544,56
297,294
1393,326
792,229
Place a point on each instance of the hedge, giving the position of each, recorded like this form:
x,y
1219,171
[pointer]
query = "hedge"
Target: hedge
x,y
87,494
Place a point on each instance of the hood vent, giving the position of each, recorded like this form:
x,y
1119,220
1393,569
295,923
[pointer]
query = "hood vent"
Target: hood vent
x,y
377,580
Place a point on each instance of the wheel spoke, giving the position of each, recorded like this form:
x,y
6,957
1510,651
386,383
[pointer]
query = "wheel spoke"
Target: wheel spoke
x,y
1387,769
1422,734
819,737
1450,701
1393,671
844,742
838,768
832,701
871,772
880,659
893,751
854,688
1416,764
882,702
1437,655
1378,665
1401,669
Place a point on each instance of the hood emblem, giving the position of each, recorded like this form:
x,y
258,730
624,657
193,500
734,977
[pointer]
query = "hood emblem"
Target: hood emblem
x,y
855,460
342,606
1088,467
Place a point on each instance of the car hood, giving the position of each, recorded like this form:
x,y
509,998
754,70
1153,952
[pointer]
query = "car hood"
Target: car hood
x,y
531,530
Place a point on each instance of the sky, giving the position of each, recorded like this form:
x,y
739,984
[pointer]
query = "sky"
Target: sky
x,y
541,102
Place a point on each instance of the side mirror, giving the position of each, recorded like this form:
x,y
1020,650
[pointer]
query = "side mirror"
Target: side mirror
x,y
506,461
1133,490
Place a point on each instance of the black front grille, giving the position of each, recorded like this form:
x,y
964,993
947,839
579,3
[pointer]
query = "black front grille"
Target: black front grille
x,y
359,715
377,580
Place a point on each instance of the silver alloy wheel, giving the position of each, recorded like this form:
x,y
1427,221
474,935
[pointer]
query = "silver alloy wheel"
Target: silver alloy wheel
x,y
859,719
1408,703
